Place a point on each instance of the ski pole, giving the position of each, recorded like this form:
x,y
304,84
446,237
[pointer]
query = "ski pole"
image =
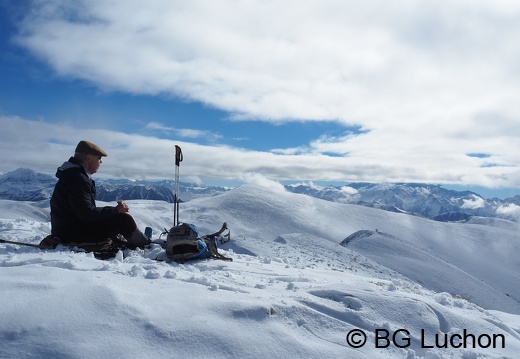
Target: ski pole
x,y
178,160
20,243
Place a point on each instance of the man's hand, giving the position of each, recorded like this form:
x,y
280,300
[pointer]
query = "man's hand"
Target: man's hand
x,y
122,207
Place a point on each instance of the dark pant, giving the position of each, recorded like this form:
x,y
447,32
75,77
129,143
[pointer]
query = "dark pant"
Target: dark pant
x,y
122,223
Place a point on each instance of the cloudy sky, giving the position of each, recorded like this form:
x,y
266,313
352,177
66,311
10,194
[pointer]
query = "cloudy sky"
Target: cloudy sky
x,y
331,91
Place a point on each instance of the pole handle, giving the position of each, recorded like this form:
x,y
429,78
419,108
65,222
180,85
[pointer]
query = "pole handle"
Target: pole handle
x,y
178,155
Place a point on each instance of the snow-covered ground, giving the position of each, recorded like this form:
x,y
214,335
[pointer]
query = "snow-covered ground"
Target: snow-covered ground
x,y
413,288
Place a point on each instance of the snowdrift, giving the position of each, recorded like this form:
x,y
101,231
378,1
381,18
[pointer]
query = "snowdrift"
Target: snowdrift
x,y
292,290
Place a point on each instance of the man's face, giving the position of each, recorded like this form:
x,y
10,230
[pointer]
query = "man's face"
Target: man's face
x,y
93,163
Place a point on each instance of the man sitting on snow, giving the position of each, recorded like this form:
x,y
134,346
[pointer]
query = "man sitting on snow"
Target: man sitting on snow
x,y
75,218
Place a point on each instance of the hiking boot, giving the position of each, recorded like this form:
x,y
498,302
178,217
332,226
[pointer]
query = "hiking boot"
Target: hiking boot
x,y
137,240
49,242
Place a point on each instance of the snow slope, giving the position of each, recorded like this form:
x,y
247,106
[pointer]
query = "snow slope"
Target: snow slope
x,y
292,290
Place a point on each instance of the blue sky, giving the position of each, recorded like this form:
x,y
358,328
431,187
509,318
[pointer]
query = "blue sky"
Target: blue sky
x,y
324,91
30,89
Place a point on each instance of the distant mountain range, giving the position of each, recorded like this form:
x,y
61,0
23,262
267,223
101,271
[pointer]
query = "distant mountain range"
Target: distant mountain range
x,y
424,200
27,185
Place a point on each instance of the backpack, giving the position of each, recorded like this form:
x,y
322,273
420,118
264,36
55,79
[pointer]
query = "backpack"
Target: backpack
x,y
183,244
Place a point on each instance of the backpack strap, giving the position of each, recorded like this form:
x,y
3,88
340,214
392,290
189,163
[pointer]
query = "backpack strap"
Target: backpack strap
x,y
212,247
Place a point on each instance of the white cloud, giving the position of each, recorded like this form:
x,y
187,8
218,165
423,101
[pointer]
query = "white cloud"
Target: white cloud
x,y
44,146
429,81
474,202
260,180
156,126
510,210
348,190
357,62
192,133
183,132
314,186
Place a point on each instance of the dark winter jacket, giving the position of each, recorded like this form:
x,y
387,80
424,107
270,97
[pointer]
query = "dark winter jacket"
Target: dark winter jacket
x,y
73,205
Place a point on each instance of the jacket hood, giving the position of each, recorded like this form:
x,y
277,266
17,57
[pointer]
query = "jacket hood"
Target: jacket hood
x,y
69,165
